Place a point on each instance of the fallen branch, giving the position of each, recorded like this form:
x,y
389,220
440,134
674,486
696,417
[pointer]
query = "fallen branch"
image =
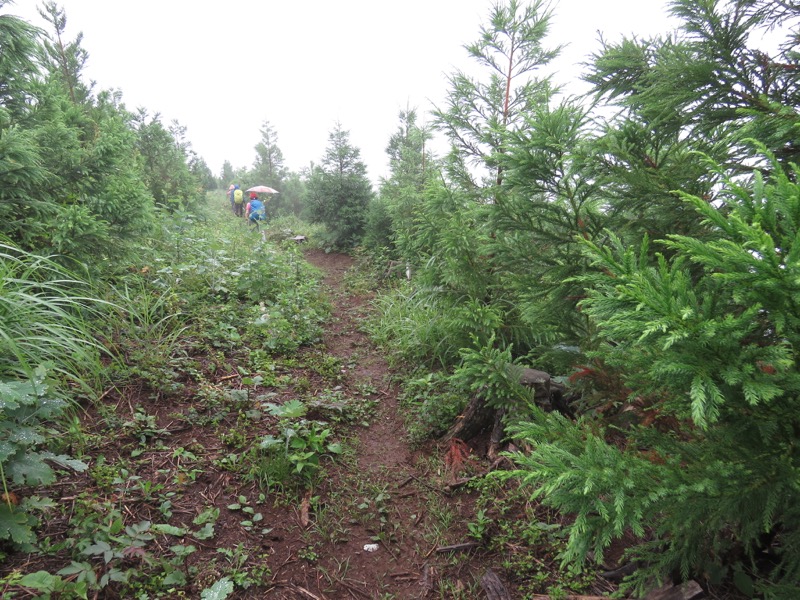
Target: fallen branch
x,y
451,487
354,591
620,573
306,593
106,393
458,547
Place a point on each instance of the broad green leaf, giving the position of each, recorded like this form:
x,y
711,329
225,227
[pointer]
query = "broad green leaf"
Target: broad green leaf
x,y
181,550
6,450
75,568
24,436
270,441
41,580
15,526
219,591
169,529
205,532
175,578
30,469
63,460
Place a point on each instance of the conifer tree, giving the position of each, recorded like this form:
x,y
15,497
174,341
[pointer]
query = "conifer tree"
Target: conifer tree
x,y
268,167
390,223
18,65
165,155
339,191
477,112
452,229
548,201
707,88
692,300
65,60
77,184
226,174
706,479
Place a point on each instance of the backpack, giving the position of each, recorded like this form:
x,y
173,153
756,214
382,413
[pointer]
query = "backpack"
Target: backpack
x,y
257,212
238,196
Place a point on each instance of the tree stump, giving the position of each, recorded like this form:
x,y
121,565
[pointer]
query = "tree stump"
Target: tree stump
x,y
475,419
498,433
478,418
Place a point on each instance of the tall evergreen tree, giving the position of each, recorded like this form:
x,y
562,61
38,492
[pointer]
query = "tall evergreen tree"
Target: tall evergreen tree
x,y
705,479
165,155
292,197
82,187
18,67
339,191
708,88
65,60
390,221
694,365
21,171
202,172
450,233
269,158
477,112
547,203
227,174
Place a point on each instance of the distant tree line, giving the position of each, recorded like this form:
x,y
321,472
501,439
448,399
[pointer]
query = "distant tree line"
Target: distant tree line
x,y
80,175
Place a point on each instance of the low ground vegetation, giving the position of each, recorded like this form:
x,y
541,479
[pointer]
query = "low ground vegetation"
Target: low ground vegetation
x,y
235,435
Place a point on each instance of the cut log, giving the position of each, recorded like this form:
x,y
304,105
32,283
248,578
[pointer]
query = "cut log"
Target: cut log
x,y
494,588
688,590
536,379
543,387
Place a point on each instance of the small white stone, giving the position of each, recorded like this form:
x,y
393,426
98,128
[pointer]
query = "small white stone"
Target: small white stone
x,y
370,547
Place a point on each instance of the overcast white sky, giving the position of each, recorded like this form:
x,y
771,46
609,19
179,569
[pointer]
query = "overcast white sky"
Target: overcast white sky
x,y
222,68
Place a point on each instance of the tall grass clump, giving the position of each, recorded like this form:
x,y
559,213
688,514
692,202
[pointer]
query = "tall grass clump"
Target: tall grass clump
x,y
429,326
46,314
47,351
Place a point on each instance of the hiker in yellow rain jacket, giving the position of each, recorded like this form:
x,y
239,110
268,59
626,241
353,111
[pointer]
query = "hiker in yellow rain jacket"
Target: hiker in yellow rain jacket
x,y
238,202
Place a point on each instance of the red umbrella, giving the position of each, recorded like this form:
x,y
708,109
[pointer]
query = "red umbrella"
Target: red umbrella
x,y
262,189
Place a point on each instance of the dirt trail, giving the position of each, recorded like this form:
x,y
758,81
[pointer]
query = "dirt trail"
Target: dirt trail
x,y
382,445
385,461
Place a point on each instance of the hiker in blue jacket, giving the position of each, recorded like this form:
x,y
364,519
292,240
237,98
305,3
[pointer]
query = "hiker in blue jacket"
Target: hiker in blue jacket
x,y
256,211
